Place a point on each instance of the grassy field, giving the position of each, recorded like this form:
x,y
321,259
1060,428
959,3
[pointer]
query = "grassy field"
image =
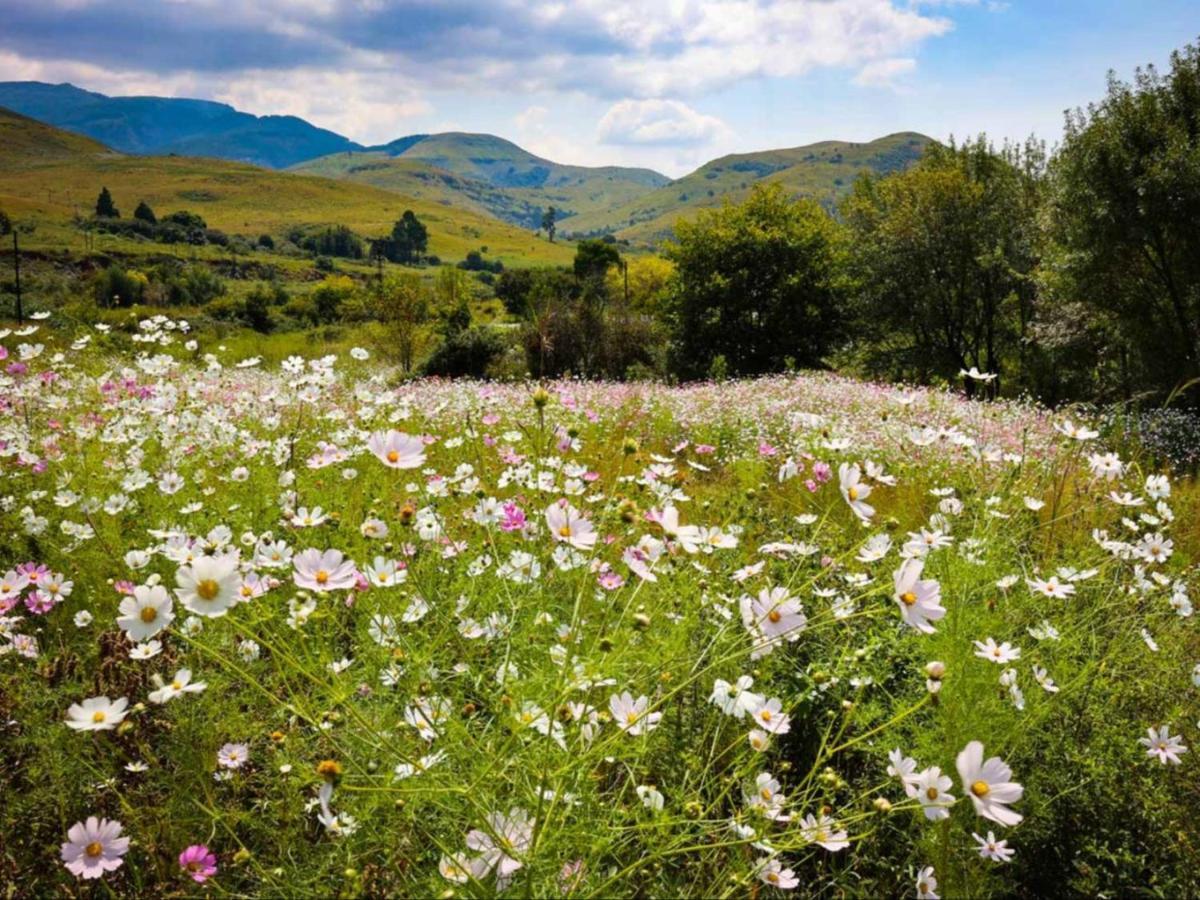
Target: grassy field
x,y
434,638
49,177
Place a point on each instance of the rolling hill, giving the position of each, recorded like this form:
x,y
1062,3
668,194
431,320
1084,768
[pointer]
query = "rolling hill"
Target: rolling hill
x,y
48,177
823,171
487,173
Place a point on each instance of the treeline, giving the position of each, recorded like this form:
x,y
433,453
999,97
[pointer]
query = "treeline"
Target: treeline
x,y
1072,275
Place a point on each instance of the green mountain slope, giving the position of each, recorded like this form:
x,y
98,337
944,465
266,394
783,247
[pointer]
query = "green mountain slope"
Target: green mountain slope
x,y
48,177
486,173
823,171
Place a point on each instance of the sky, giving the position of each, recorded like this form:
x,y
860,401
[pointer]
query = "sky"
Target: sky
x,y
666,84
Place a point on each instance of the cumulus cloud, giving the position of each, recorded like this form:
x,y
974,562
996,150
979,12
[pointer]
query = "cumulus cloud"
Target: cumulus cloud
x,y
658,123
884,72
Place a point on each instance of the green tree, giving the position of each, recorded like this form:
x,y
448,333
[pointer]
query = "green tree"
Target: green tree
x,y
593,258
105,208
402,308
409,239
944,255
1123,221
548,222
759,283
144,213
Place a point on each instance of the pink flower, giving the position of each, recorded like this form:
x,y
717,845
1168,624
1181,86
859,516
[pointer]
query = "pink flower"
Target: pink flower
x,y
199,862
822,472
514,518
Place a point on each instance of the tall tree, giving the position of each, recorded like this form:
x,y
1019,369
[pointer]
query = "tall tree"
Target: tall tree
x,y
548,222
759,284
105,208
145,214
1123,218
943,259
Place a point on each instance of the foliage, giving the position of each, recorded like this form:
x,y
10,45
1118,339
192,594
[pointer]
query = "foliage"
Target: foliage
x,y
757,283
1122,217
105,208
144,213
466,353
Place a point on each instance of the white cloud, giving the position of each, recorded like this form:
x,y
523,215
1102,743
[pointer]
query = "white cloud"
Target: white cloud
x,y
884,72
658,123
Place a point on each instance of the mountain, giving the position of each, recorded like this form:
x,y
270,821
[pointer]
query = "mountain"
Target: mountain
x,y
485,172
823,171
49,177
162,125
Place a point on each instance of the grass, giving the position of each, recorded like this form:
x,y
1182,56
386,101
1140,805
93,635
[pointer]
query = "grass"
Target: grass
x,y
509,662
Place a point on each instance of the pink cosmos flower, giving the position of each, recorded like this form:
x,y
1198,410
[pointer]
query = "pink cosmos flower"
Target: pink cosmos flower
x,y
328,571
198,862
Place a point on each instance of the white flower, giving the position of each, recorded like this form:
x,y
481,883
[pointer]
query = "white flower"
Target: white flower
x,y
93,848
650,796
997,653
927,885
855,491
989,784
146,613
631,716
824,832
990,848
97,714
209,586
180,684
397,450
1162,744
933,791
919,600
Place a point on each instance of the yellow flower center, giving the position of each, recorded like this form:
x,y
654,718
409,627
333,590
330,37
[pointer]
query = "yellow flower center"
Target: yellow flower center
x,y
565,531
931,793
774,615
773,877
94,849
852,493
908,598
322,577
149,614
98,716
393,456
177,686
630,718
980,789
765,715
765,793
207,589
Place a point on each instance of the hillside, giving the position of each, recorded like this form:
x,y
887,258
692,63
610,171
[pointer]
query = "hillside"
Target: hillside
x,y
489,174
823,171
49,177
161,125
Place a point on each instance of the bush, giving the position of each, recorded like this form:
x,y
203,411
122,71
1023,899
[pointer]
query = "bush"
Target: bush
x,y
468,354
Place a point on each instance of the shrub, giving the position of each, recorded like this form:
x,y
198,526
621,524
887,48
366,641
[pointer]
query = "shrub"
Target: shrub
x,y
467,353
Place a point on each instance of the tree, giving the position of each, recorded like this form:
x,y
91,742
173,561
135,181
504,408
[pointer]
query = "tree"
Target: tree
x,y
593,258
402,308
648,279
759,283
548,225
144,213
1123,214
944,255
329,296
453,290
105,208
409,239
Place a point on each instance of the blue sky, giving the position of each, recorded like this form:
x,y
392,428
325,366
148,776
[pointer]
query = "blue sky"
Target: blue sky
x,y
662,83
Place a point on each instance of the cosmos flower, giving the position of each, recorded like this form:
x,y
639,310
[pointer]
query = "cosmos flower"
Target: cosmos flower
x,y
1163,745
198,863
94,847
327,570
566,524
919,600
97,714
989,785
397,450
632,716
855,491
146,613
209,585
990,848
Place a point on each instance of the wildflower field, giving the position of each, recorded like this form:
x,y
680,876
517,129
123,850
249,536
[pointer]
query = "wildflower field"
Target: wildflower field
x,y
312,630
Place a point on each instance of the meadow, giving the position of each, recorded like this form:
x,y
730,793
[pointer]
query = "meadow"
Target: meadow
x,y
310,629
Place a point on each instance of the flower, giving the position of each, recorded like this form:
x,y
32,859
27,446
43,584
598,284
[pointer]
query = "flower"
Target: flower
x,y
989,784
233,756
773,873
771,718
990,848
324,571
927,884
1051,587
1161,743
997,653
568,525
397,450
631,715
933,790
94,847
97,714
736,699
507,838
209,585
824,833
920,601
146,613
198,862
181,684
855,491
650,796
